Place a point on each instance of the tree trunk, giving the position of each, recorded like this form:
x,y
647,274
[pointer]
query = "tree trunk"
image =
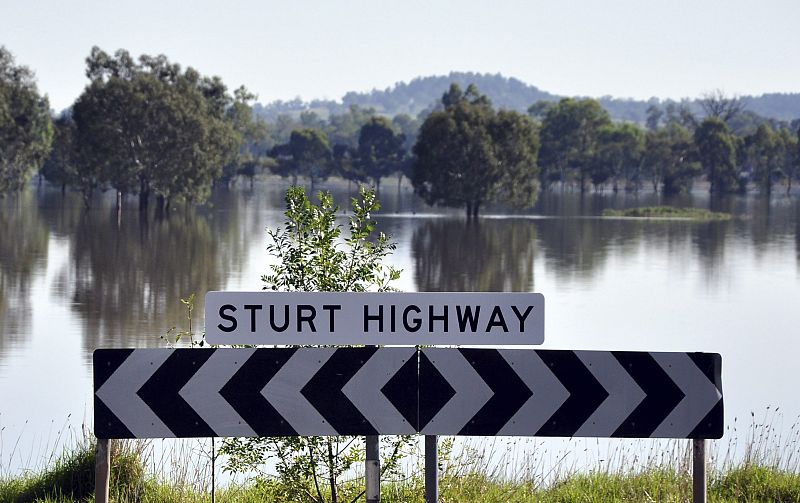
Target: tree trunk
x,y
469,210
144,194
475,210
331,476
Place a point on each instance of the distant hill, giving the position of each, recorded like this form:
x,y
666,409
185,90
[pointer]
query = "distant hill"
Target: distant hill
x,y
423,93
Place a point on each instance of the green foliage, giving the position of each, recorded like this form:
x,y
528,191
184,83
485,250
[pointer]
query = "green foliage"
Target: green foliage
x,y
306,154
312,255
26,131
620,148
668,212
380,150
757,483
254,136
716,150
670,159
762,153
569,137
71,477
149,127
467,154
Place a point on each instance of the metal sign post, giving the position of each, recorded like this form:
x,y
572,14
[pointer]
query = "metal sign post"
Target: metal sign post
x,y
431,470
102,470
372,469
699,478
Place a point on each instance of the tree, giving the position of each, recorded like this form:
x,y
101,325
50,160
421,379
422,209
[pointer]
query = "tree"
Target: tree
x,y
253,133
789,158
716,150
654,115
307,154
467,154
26,131
62,166
618,154
149,128
312,255
345,128
346,165
380,150
569,140
762,152
670,159
716,104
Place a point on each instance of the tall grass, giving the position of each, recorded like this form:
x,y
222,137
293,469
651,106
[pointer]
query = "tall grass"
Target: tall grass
x,y
757,464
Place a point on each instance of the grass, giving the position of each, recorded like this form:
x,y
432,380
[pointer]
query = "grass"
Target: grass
x,y
668,212
70,481
765,468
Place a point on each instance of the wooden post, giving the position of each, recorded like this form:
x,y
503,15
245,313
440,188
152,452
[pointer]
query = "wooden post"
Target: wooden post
x,y
431,470
102,471
372,470
699,480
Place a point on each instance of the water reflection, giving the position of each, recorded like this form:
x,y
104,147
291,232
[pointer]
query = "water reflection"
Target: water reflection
x,y
126,272
23,257
488,255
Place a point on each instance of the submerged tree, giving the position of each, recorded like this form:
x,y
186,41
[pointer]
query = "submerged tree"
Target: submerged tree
x,y
26,131
148,127
307,154
716,150
670,159
569,139
380,149
467,154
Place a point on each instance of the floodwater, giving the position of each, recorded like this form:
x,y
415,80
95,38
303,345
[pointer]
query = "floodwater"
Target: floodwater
x,y
72,280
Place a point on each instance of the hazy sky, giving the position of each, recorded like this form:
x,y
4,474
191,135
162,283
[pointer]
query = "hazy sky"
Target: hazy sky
x,y
322,49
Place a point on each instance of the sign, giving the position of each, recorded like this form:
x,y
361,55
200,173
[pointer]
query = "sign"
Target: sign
x,y
555,393
323,318
246,392
163,393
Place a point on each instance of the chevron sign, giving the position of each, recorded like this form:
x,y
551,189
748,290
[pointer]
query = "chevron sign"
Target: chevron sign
x,y
162,393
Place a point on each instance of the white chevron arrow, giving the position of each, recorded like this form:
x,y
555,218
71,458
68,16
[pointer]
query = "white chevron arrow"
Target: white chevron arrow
x,y
364,390
700,395
202,392
471,392
283,391
624,395
119,393
548,393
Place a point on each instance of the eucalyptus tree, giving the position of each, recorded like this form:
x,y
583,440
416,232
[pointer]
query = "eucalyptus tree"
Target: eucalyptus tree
x,y
716,151
762,151
306,154
26,131
467,154
618,154
569,137
380,149
254,135
149,127
670,159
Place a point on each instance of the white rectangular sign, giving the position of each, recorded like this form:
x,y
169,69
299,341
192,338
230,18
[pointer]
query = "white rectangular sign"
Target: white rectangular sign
x,y
390,318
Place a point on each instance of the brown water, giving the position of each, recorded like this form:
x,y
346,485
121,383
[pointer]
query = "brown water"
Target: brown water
x,y
73,280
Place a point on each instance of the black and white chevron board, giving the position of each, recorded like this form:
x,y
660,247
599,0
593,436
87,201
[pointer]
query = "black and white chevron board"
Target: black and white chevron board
x,y
164,393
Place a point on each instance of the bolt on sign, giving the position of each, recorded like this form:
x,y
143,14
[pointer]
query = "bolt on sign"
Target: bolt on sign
x,y
340,318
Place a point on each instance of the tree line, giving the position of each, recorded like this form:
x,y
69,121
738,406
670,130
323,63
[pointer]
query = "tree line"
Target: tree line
x,y
147,127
